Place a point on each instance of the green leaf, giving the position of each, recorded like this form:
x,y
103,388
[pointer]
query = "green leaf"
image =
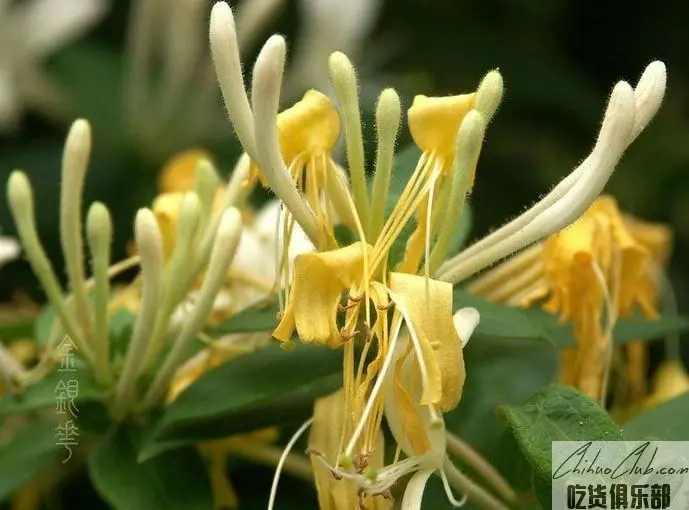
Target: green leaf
x,y
666,422
556,413
174,480
28,453
626,330
266,387
258,318
43,394
499,372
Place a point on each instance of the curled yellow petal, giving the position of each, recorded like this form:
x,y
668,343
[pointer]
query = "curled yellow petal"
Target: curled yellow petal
x,y
434,121
427,306
319,281
311,126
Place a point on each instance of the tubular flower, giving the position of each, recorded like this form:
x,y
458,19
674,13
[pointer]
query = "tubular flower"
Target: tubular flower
x,y
591,273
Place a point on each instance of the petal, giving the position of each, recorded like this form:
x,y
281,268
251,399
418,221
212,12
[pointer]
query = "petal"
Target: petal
x,y
319,280
432,322
413,494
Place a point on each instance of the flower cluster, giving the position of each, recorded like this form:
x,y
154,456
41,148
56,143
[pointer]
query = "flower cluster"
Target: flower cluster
x,y
393,318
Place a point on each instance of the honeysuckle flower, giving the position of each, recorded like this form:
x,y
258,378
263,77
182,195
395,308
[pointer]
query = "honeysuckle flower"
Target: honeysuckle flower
x,y
324,437
591,273
348,295
10,249
252,275
31,31
419,433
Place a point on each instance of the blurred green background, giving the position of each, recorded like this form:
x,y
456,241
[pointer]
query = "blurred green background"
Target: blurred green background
x,y
559,60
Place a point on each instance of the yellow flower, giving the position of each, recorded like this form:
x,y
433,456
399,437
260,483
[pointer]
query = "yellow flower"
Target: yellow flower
x,y
338,494
419,433
333,294
178,174
590,273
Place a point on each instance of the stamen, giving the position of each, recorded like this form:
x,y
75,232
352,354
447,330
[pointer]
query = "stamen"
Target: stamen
x,y
448,492
380,380
527,280
486,283
611,306
425,380
278,470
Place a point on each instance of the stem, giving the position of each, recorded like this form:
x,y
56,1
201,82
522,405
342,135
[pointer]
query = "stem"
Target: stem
x,y
484,468
474,492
